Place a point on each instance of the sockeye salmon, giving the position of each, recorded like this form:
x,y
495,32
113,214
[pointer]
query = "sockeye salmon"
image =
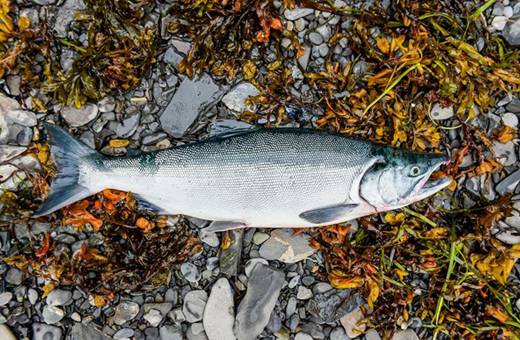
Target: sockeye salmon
x,y
270,178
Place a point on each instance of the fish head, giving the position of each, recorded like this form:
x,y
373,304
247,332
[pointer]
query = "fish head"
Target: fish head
x,y
402,178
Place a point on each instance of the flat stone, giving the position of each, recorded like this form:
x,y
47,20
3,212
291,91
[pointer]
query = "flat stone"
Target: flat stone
x,y
6,334
286,247
372,334
499,23
302,336
170,332
124,333
52,314
509,183
6,171
193,96
257,305
315,38
332,305
32,296
153,317
259,238
163,307
5,297
14,276
209,238
194,304
514,106
338,333
21,117
511,32
190,272
81,331
405,335
219,313
172,57
510,119
42,331
196,332
8,152
297,13
78,117
107,104
505,153
304,293
440,113
125,311
58,297
352,324
236,98
127,126
251,263
13,83
304,59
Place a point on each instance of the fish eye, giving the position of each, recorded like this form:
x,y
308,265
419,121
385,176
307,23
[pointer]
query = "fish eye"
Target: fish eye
x,y
415,171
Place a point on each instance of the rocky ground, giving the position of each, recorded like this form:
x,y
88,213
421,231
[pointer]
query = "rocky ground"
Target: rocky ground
x,y
248,284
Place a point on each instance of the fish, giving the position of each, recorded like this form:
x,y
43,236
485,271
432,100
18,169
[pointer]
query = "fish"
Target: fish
x,y
251,177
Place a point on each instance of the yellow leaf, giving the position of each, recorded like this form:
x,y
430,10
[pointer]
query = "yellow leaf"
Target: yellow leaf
x,y
383,44
373,293
47,288
394,218
437,233
507,134
401,273
249,70
345,283
97,300
24,23
119,143
498,313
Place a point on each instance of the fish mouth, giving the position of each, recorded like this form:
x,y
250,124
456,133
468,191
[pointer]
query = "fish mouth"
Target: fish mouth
x,y
428,187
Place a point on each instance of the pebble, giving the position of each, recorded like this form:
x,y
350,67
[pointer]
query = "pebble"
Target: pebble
x,y
194,304
315,38
255,308
372,334
252,263
154,317
235,99
209,238
514,106
8,152
170,332
106,104
510,119
511,32
509,183
193,96
219,313
125,311
352,324
5,297
127,126
505,153
499,23
190,272
259,238
79,117
304,293
42,331
302,336
332,305
123,333
196,332
297,13
58,297
6,334
52,314
14,276
338,333
440,113
405,335
82,331
32,296
286,247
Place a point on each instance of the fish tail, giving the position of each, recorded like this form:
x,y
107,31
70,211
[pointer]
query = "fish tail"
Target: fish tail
x,y
68,154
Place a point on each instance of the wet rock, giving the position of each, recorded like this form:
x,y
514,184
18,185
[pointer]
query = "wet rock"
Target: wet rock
x,y
42,331
255,308
125,311
5,297
81,331
8,152
229,258
304,293
52,314
440,113
6,334
32,296
511,32
194,96
286,247
219,314
352,324
405,335
297,13
236,98
194,304
78,117
58,297
331,305
6,171
190,272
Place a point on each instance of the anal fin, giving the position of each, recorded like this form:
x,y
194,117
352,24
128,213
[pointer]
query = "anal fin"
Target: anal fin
x,y
152,204
327,214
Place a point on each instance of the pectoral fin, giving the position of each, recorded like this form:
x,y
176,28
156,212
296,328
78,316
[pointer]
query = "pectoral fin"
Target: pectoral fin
x,y
328,214
224,225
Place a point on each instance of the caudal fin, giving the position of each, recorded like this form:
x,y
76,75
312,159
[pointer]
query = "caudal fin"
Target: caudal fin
x,y
67,153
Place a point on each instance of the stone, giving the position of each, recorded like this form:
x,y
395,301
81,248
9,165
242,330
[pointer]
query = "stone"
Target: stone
x,y
514,106
82,331
32,296
21,117
58,297
170,332
297,13
372,334
79,117
172,57
229,258
5,297
14,276
163,307
42,331
499,23
193,97
338,333
107,104
511,32
153,317
257,305
8,152
332,305
302,336
65,15
209,238
248,269
352,324
125,311
194,304
304,59
13,83
6,334
124,333
286,247
510,119
440,113
407,334
304,293
196,332
259,238
190,272
52,314
315,38
127,126
219,313
505,153
508,184
7,171
235,99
